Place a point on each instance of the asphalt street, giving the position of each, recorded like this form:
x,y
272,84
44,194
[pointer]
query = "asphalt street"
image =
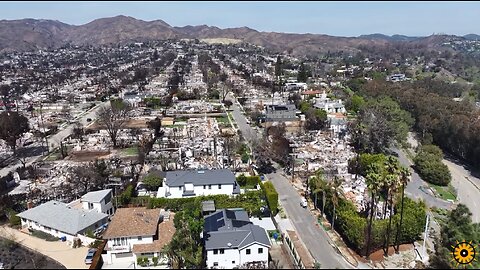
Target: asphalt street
x,y
54,140
417,188
315,239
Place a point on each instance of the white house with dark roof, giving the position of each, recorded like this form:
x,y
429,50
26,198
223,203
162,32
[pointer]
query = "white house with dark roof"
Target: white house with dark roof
x,y
191,183
231,240
59,219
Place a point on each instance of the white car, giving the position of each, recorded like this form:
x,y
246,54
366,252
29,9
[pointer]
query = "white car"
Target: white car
x,y
303,203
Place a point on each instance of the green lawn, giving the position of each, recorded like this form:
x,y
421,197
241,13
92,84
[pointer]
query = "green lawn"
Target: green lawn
x,y
132,151
446,193
223,120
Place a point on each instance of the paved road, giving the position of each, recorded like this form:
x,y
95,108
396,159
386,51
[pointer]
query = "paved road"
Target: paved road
x,y
416,187
316,240
54,140
467,186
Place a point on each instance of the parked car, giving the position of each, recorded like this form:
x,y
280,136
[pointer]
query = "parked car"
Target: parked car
x,y
89,257
303,203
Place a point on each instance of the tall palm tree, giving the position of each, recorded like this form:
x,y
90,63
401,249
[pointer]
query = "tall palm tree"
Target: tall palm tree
x,y
373,181
318,184
391,180
394,183
404,178
336,193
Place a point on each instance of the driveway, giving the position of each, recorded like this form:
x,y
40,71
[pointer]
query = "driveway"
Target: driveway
x,y
71,258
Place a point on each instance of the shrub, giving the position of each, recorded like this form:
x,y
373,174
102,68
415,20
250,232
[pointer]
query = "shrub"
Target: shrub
x,y
13,219
152,182
45,236
271,195
431,169
89,233
242,180
95,244
155,261
126,195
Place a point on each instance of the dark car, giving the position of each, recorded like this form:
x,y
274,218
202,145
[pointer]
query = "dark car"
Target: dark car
x,y
89,258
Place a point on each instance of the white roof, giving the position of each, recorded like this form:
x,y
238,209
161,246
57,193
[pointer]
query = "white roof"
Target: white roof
x,y
96,196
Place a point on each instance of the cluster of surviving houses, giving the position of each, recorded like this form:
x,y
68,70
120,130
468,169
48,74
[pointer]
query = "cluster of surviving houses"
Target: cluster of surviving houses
x,y
230,238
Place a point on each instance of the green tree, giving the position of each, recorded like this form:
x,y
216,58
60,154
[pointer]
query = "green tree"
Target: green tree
x,y
318,184
12,126
404,179
374,184
336,193
302,75
355,103
152,182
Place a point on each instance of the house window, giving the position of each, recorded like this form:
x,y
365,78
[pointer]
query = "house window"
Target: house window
x,y
260,250
248,251
215,251
180,188
90,205
215,264
220,186
233,262
209,186
139,238
204,186
222,251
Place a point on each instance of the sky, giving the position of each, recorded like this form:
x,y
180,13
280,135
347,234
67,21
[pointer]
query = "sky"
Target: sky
x,y
331,18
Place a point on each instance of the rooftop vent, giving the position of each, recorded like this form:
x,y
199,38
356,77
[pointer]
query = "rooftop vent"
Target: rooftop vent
x,y
201,171
229,244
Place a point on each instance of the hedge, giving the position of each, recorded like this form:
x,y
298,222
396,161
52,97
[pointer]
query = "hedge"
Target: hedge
x,y
271,195
431,169
248,181
353,226
251,201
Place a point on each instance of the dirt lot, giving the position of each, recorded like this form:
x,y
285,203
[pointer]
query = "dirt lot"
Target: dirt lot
x,y
132,123
15,256
88,155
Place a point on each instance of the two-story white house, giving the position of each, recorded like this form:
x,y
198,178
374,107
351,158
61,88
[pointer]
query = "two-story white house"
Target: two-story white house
x,y
231,240
191,183
60,220
135,232
100,201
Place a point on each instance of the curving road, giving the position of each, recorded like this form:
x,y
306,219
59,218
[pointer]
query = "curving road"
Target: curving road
x,y
417,188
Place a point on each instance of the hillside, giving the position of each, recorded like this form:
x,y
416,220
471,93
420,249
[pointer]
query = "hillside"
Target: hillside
x,y
30,34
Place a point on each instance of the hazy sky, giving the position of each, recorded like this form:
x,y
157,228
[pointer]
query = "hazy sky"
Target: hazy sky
x,y
332,18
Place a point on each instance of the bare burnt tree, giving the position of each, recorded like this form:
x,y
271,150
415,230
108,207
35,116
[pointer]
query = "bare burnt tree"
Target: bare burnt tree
x,y
114,118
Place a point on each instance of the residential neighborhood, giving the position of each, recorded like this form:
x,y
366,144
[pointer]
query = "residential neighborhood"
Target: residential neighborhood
x,y
198,147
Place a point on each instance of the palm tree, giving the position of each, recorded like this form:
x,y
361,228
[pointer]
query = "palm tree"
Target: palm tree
x,y
336,193
390,182
318,184
393,189
373,180
404,178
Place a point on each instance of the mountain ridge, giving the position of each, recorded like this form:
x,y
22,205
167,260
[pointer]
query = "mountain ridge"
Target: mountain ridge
x,y
31,34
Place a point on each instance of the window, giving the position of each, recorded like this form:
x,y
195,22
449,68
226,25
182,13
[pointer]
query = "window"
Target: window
x,y
215,251
260,250
209,186
180,188
248,251
233,262
139,238
215,264
222,251
220,186
204,186
90,205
